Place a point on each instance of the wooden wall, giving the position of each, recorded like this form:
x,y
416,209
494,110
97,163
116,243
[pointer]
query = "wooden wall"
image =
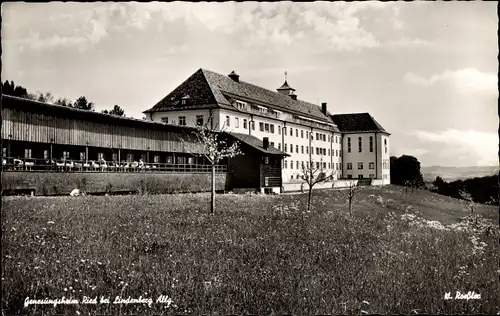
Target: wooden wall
x,y
37,127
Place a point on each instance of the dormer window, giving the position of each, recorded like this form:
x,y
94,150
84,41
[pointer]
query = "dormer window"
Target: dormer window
x,y
241,105
185,100
262,109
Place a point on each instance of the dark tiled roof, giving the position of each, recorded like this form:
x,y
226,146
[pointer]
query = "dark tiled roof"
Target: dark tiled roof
x,y
357,122
256,143
208,87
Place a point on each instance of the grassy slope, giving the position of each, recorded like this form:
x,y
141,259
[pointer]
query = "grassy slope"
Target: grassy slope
x,y
258,255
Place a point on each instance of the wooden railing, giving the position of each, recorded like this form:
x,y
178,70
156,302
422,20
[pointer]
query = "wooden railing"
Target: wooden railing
x,y
47,165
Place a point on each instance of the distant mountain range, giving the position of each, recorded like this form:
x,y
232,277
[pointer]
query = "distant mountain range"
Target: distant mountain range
x,y
457,173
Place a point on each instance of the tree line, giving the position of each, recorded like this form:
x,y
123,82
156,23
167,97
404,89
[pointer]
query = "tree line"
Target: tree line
x,y
82,103
405,170
481,189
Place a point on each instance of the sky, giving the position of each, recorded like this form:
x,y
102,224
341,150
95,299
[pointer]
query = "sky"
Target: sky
x,y
426,71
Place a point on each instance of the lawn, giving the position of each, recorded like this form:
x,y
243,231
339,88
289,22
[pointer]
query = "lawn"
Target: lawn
x,y
257,255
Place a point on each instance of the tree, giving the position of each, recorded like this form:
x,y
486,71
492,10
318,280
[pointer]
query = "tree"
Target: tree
x,y
406,168
44,97
10,88
350,193
313,174
115,111
83,104
214,148
467,199
64,102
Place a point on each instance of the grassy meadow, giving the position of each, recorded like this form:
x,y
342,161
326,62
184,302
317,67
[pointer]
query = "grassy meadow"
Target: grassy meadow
x,y
259,254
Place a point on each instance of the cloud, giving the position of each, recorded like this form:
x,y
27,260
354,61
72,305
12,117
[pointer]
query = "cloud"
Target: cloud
x,y
466,147
464,79
411,43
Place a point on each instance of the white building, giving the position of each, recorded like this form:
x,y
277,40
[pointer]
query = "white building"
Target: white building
x,y
365,146
303,130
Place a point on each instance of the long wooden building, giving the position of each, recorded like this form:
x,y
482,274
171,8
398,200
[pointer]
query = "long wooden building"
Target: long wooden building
x,y
52,139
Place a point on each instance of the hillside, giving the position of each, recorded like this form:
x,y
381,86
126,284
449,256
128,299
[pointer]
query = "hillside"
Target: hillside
x,y
259,254
457,173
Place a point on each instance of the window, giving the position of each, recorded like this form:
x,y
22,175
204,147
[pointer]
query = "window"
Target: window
x,y
301,149
296,132
297,148
301,134
324,165
266,160
4,152
348,144
317,150
349,176
284,131
312,150
228,121
336,152
272,128
279,146
291,148
385,145
182,120
291,131
45,154
279,130
27,153
317,136
272,144
307,149
245,123
291,164
286,147
372,176
164,119
261,126
329,152
130,157
317,165
328,165
236,122
360,166
360,176
156,158
181,160
371,144
266,127
371,165
297,166
340,153
100,156
199,120
183,101
360,149
114,156
307,134
66,155
349,166
253,125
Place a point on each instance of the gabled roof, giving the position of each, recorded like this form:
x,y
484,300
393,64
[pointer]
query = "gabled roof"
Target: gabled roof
x,y
357,122
210,89
256,143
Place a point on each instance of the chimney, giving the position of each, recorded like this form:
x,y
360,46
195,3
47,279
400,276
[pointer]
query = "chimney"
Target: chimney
x,y
234,76
265,142
323,108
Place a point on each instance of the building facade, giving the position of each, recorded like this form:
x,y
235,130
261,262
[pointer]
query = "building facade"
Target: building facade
x,y
366,147
305,131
